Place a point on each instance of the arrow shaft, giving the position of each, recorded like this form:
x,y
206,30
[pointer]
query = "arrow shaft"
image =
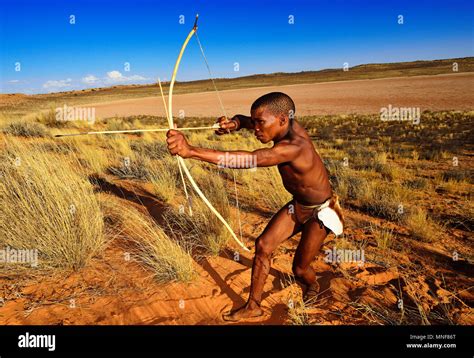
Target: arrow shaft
x,y
214,126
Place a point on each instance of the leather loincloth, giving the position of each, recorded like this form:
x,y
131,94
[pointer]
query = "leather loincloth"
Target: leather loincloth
x,y
328,214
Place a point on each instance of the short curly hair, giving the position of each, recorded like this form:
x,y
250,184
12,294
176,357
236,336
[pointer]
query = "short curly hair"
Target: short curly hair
x,y
277,103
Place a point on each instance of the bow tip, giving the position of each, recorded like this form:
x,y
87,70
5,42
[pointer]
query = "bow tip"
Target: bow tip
x,y
196,22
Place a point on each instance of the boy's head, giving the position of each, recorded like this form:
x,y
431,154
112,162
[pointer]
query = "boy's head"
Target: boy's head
x,y
272,115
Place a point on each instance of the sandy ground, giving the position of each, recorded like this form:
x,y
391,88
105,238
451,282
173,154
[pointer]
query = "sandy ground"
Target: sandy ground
x,y
111,291
453,91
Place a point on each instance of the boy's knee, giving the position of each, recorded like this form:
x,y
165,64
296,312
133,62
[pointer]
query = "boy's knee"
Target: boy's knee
x,y
262,247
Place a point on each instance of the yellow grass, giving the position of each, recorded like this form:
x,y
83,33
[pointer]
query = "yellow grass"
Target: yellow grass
x,y
49,119
421,226
25,128
45,204
203,228
268,189
297,308
149,244
163,176
91,157
383,200
120,147
382,236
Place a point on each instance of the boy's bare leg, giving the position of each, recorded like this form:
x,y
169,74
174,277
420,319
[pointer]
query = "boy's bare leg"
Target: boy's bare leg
x,y
280,228
312,238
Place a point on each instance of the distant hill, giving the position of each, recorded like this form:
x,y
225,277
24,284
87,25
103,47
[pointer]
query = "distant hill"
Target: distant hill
x,y
17,104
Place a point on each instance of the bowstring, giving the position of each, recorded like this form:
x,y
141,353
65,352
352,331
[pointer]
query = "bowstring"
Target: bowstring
x,y
225,114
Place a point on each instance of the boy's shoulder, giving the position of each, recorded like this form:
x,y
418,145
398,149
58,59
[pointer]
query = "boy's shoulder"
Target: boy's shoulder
x,y
296,140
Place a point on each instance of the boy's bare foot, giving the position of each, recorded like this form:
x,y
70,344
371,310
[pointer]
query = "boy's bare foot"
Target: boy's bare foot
x,y
244,312
312,292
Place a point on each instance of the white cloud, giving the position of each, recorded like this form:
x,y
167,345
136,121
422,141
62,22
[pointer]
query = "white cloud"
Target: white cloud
x,y
114,75
111,78
117,77
14,81
90,79
53,84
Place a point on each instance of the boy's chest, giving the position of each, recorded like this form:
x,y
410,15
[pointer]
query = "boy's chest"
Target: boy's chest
x,y
288,174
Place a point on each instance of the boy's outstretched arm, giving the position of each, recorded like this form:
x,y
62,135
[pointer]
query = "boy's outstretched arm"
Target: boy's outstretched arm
x,y
280,153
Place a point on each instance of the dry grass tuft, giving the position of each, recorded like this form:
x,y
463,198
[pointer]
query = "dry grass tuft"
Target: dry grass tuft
x,y
269,189
150,246
203,228
421,226
383,200
297,308
47,205
164,175
24,128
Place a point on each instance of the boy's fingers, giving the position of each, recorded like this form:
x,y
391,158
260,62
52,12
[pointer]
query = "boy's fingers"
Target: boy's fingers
x,y
224,122
173,149
221,119
172,144
173,139
172,134
224,131
226,126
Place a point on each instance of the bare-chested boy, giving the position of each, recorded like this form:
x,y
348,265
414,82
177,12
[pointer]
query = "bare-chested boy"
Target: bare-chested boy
x,y
314,210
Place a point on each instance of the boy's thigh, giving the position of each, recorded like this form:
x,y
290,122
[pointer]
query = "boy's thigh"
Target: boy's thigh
x,y
312,238
281,227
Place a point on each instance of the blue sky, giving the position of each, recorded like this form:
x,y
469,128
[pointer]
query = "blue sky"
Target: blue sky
x,y
41,51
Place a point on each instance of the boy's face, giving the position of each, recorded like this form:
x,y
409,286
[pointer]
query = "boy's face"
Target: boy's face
x,y
267,126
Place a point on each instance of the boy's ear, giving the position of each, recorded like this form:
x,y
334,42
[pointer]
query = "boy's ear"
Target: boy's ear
x,y
283,120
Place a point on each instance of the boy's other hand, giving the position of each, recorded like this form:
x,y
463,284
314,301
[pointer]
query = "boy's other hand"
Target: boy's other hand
x,y
177,144
227,125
